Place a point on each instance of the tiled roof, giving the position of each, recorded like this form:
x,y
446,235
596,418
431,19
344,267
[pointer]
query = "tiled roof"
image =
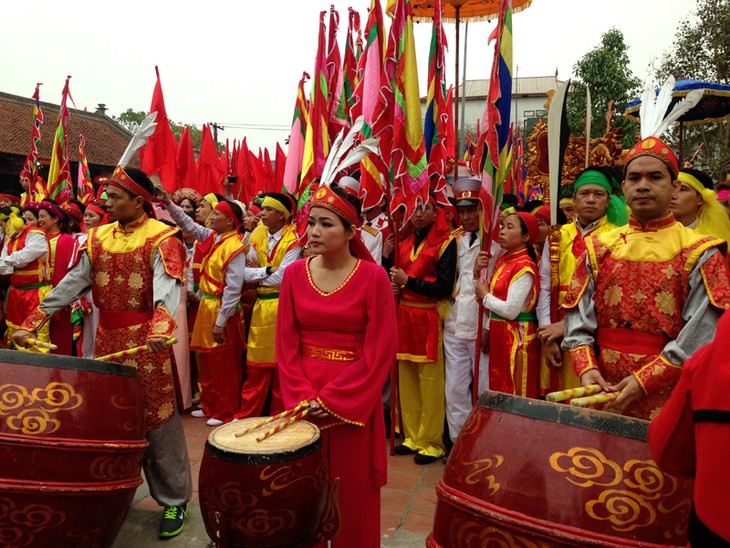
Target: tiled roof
x,y
105,139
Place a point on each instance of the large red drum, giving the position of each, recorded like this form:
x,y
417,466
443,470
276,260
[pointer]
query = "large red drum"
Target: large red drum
x,y
71,444
271,493
530,473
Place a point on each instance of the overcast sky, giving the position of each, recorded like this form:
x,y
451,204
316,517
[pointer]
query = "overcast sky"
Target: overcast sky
x,y
238,62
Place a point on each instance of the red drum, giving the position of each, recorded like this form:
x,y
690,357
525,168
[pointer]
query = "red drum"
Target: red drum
x,y
71,443
270,493
530,473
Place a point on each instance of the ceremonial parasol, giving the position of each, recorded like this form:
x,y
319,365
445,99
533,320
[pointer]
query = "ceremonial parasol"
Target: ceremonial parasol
x,y
714,106
456,11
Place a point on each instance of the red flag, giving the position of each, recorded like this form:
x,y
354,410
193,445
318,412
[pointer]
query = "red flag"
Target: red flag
x,y
267,171
160,153
187,174
210,175
225,160
244,188
280,168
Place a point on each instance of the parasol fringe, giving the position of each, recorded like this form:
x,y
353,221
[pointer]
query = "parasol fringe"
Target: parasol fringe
x,y
470,18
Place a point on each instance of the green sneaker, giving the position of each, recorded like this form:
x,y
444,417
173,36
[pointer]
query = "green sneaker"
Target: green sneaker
x,y
173,521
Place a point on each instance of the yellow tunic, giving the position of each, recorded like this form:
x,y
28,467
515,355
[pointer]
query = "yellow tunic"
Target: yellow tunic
x,y
212,283
262,333
566,269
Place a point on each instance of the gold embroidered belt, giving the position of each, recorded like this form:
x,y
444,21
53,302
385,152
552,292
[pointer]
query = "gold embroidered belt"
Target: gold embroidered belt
x,y
329,354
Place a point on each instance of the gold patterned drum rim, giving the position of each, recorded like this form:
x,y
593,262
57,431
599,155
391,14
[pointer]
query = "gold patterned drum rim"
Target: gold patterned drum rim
x,y
292,438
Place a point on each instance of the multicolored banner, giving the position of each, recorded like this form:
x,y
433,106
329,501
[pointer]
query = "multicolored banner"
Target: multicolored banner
x,y
30,166
84,185
59,173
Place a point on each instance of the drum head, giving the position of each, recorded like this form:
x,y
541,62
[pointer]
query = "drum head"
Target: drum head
x,y
292,438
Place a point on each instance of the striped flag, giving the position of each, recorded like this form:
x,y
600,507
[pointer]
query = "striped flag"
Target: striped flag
x,y
316,143
340,117
373,99
85,188
437,116
408,157
59,173
295,152
30,167
497,154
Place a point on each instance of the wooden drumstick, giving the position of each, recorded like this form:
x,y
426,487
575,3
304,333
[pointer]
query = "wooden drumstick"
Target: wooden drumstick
x,y
593,400
280,427
301,405
563,395
30,341
131,351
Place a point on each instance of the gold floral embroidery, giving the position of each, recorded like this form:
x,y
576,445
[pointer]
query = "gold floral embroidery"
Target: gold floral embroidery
x,y
610,356
119,279
666,303
165,410
613,295
135,280
102,279
638,296
669,272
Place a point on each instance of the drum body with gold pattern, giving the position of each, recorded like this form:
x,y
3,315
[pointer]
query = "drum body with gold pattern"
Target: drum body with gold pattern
x,y
269,493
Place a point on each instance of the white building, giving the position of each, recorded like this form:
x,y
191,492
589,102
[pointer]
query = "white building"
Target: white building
x,y
529,96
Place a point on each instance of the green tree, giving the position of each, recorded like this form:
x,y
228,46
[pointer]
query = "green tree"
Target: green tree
x,y
131,119
605,71
701,51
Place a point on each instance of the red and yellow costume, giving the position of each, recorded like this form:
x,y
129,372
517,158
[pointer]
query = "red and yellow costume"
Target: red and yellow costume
x,y
514,350
642,290
122,261
221,363
29,285
572,250
337,348
420,351
261,353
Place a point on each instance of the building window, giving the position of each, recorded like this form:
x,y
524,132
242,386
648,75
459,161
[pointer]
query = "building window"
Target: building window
x,y
529,114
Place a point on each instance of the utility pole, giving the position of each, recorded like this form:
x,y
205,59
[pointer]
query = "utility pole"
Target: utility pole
x,y
216,127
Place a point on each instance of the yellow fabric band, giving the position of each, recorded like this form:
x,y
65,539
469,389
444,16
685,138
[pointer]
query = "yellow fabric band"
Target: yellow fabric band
x,y
276,205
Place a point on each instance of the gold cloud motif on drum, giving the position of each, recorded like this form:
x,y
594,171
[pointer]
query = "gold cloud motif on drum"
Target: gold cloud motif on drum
x,y
476,472
18,526
30,411
639,489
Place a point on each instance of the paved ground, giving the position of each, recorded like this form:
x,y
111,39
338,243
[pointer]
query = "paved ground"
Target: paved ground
x,y
408,503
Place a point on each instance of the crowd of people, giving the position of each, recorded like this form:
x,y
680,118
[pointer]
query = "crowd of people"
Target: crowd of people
x,y
621,294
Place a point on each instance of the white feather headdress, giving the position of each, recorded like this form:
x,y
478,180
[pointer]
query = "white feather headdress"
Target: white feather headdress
x,y
655,119
344,153
145,129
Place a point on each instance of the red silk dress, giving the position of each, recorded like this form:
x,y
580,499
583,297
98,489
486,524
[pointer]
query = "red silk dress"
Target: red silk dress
x,y
514,349
337,348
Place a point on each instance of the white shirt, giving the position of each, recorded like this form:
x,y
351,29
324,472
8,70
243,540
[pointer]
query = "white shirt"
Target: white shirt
x,y
36,245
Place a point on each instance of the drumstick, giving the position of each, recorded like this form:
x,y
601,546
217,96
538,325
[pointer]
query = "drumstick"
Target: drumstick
x,y
593,400
280,427
563,395
30,341
131,351
301,405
